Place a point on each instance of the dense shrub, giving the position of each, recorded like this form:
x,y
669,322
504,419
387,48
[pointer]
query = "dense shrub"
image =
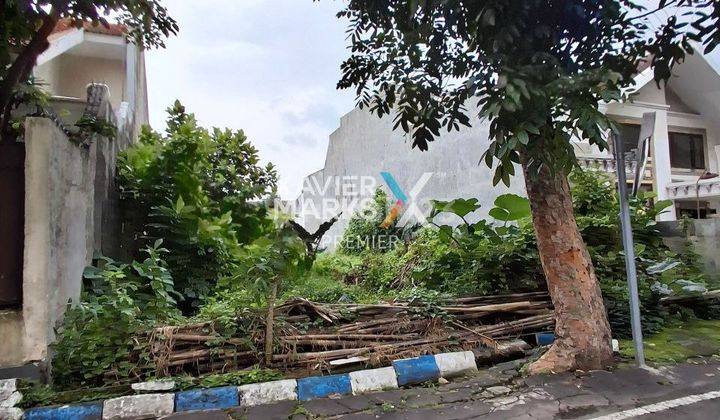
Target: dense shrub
x,y
501,256
198,190
118,301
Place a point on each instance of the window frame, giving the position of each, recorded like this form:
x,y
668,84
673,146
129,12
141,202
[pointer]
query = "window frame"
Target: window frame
x,y
693,135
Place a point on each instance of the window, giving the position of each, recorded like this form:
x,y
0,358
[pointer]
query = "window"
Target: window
x,y
687,151
630,135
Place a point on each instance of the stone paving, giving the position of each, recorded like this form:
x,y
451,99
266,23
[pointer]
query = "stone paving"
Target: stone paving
x,y
499,393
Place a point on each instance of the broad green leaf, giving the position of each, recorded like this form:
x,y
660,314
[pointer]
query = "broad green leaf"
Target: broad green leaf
x,y
510,207
461,207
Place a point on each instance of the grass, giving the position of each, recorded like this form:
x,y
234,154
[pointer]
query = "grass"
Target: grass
x,y
679,342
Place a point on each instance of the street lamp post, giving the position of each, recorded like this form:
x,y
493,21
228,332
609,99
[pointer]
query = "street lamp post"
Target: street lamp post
x,y
627,239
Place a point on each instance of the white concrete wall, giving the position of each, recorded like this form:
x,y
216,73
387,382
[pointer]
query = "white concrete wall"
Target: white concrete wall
x,y
75,73
69,214
365,145
58,238
47,75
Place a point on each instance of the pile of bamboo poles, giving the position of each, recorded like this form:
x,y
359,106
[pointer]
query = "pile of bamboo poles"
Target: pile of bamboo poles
x,y
315,336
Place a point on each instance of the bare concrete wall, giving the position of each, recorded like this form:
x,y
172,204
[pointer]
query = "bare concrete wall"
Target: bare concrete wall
x,y
365,145
68,207
703,235
75,73
58,238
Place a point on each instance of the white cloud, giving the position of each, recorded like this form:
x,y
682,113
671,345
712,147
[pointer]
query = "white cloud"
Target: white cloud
x,y
268,67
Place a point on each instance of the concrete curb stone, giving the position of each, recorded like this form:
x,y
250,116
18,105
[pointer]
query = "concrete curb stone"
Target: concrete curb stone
x,y
323,386
369,380
402,372
456,363
91,411
207,399
416,370
138,406
268,392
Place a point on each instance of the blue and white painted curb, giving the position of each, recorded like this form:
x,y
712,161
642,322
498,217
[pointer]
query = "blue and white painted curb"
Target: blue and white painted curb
x,y
402,372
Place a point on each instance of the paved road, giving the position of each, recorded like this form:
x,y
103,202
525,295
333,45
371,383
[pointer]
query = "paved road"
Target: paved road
x,y
687,391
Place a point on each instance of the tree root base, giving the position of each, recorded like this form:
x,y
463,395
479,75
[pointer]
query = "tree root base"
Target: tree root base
x,y
561,358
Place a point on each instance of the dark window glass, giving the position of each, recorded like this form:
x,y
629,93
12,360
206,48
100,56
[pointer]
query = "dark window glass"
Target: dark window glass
x,y
687,151
630,134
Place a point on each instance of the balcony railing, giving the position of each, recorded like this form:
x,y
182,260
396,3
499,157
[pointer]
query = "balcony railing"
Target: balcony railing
x,y
695,189
607,164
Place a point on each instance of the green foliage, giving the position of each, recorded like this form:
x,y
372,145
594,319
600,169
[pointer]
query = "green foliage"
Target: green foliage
x,y
276,259
487,258
537,69
118,301
196,189
26,27
592,193
596,206
37,394
93,125
510,208
459,207
365,229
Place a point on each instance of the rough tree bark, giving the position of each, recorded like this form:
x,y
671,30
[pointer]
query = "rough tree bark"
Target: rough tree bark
x,y
582,332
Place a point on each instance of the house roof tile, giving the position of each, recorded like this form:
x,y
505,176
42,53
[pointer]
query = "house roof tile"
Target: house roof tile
x,y
113,29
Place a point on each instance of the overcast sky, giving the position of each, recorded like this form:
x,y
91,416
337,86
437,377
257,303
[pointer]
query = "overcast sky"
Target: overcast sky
x,y
268,67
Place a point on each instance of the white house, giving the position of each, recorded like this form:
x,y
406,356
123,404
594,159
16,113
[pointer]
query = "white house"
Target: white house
x,y
59,201
683,120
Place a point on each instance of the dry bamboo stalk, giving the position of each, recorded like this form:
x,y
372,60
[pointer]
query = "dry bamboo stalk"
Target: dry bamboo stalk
x,y
486,340
498,307
314,355
518,327
349,336
501,298
215,352
365,324
194,338
239,356
345,344
397,325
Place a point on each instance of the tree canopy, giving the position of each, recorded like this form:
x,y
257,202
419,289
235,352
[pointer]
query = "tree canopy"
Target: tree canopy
x,y
27,24
537,69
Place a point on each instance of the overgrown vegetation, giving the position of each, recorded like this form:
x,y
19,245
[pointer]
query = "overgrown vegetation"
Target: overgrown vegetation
x,y
367,229
199,191
207,243
118,302
500,255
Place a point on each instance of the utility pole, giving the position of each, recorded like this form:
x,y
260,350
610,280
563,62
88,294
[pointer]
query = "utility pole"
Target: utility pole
x,y
628,245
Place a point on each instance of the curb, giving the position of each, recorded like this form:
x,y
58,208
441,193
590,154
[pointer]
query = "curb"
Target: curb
x,y
402,372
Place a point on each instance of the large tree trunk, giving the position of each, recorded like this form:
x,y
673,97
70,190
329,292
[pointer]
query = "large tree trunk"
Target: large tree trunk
x,y
582,332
